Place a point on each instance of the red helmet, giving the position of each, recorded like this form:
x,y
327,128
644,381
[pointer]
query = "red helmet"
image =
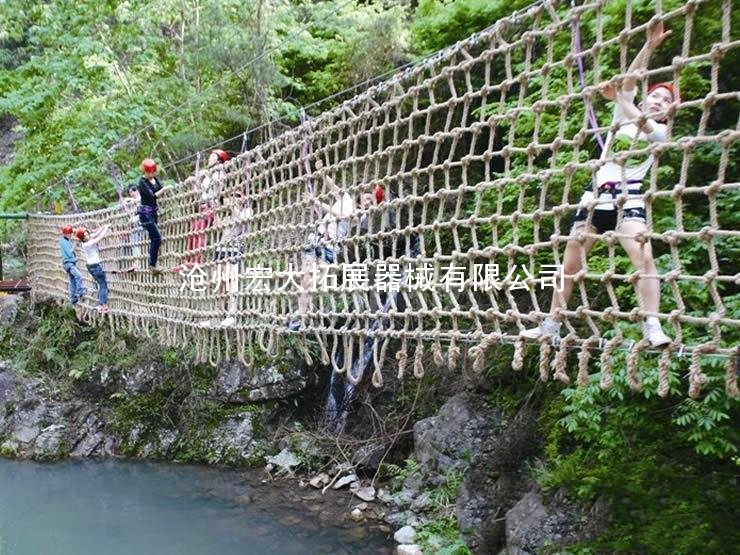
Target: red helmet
x,y
67,230
80,233
379,194
222,154
148,166
668,86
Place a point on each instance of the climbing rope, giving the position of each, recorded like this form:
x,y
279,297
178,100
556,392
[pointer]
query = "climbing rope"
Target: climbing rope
x,y
462,144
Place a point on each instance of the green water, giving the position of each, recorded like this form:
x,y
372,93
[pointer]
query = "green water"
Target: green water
x,y
113,507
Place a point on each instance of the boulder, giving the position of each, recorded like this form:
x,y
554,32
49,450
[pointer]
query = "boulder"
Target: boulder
x,y
232,441
496,480
532,524
405,535
450,439
237,383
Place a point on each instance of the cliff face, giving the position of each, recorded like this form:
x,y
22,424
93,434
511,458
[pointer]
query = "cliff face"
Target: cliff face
x,y
70,390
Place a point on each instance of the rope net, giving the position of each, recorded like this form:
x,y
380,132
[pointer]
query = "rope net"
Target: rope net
x,y
481,153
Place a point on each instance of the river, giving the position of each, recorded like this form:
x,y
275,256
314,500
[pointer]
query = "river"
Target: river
x,y
135,508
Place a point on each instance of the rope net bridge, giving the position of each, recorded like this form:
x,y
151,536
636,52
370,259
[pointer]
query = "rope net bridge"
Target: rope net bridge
x,y
482,152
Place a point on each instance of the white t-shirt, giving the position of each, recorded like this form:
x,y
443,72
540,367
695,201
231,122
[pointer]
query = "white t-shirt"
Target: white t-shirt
x,y
92,253
336,228
627,137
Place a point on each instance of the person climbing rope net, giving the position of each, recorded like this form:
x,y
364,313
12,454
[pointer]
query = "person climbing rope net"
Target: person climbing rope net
x,y
599,210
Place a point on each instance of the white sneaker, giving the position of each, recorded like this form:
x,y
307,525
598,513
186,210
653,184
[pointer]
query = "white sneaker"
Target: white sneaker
x,y
228,322
548,327
654,333
206,324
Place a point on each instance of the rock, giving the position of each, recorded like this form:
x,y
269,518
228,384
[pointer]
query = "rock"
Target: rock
x,y
421,503
384,496
320,480
531,524
365,493
403,498
285,460
138,380
405,535
369,456
237,383
232,441
451,438
496,480
412,549
344,481
9,309
51,443
399,518
357,515
304,445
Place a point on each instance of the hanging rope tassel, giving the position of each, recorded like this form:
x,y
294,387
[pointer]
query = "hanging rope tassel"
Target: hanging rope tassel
x,y
731,375
419,361
402,358
517,362
561,359
584,357
545,350
453,354
697,378
607,379
437,355
478,353
633,359
664,370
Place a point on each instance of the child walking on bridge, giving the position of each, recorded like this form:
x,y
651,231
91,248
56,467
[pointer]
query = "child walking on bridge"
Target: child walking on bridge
x,y
92,257
69,263
149,190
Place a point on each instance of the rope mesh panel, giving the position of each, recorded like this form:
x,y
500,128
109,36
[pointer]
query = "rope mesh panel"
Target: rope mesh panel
x,y
481,164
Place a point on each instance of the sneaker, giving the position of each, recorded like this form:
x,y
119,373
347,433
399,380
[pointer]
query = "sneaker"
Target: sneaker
x,y
295,325
548,327
207,324
155,271
103,309
654,333
228,322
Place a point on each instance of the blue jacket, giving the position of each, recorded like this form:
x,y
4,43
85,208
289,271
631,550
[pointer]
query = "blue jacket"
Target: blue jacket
x,y
68,252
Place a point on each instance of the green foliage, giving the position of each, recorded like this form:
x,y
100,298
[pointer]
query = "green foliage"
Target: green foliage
x,y
665,465
445,495
442,537
439,23
399,474
176,76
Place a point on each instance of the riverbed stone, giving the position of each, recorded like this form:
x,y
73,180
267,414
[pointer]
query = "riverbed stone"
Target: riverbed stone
x,y
409,549
405,535
285,460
